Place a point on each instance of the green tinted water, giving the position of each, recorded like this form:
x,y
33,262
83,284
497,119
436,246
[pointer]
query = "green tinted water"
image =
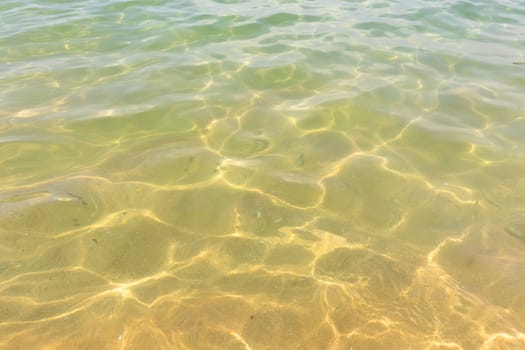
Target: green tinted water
x,y
246,175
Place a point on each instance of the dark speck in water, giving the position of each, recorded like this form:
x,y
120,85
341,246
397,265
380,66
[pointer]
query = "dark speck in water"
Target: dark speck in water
x,y
517,231
470,261
77,197
300,160
190,162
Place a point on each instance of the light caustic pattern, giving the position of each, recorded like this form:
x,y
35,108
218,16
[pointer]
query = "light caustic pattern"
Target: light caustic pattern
x,y
287,177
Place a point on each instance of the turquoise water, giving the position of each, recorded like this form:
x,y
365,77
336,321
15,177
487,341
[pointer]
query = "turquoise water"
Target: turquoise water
x,y
262,175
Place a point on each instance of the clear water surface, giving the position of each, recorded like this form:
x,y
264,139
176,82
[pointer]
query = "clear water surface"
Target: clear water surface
x,y
262,174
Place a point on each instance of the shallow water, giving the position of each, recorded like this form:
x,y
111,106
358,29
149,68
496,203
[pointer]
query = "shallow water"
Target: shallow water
x,y
262,175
